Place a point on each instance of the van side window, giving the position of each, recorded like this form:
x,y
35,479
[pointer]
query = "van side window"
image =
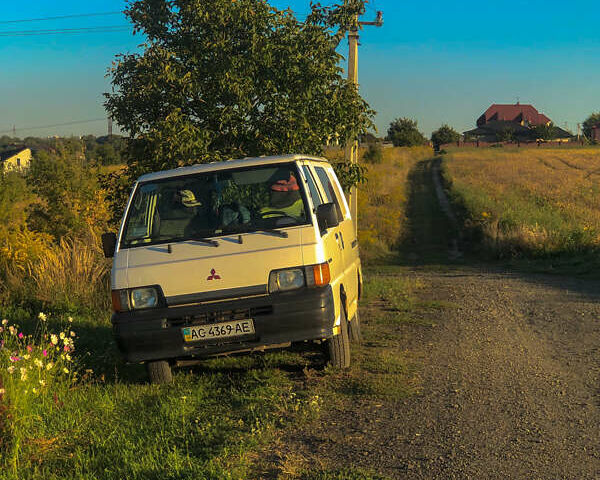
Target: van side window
x,y
329,190
312,188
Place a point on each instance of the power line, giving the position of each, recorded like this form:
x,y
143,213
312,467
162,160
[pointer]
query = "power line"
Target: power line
x,y
60,31
66,124
62,17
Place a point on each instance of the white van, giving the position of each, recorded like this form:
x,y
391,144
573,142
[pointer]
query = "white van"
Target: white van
x,y
232,257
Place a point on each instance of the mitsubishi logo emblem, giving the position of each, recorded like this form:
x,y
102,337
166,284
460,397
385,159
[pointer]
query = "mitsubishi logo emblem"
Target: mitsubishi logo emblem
x,y
213,275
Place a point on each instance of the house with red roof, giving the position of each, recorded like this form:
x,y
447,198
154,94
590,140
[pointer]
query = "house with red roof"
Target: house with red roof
x,y
518,122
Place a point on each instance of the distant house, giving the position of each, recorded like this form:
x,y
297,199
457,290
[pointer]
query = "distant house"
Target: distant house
x,y
516,122
595,135
15,159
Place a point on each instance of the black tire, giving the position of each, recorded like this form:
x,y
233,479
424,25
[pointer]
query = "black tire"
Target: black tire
x,y
159,372
339,346
354,331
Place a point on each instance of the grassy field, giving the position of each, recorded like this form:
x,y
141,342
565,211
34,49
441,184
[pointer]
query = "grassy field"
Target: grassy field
x,y
529,202
69,407
383,201
101,420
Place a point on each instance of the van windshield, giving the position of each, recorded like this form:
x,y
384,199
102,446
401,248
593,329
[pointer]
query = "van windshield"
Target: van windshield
x,y
215,203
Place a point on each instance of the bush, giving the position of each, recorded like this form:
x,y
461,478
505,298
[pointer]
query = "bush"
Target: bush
x,y
374,153
403,132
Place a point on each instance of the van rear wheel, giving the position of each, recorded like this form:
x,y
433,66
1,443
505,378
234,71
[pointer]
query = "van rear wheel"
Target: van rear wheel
x,y
159,372
354,330
339,345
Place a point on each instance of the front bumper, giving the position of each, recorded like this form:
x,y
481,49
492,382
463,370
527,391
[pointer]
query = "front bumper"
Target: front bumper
x,y
306,314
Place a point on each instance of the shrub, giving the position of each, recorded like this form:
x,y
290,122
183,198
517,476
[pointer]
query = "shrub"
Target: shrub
x,y
374,153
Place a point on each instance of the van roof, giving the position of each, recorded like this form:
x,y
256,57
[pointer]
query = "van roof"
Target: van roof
x,y
228,164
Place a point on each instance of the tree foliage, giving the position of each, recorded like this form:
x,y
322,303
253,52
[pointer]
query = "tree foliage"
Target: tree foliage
x,y
445,134
221,79
403,132
546,132
505,134
592,121
70,202
14,196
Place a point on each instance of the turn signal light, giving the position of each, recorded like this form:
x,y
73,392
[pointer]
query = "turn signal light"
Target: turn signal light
x,y
321,274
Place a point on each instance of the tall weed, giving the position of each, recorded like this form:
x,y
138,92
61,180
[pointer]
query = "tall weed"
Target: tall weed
x,y
71,273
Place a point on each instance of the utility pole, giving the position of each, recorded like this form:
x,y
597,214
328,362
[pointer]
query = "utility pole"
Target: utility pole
x,y
351,153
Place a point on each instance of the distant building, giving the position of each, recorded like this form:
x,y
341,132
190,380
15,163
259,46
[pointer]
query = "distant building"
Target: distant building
x,y
15,159
524,115
516,122
595,134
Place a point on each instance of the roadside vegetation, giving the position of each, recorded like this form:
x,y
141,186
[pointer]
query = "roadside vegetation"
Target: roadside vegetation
x,y
70,407
383,199
529,202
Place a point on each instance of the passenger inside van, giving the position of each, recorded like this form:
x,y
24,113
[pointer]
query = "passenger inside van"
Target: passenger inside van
x,y
284,200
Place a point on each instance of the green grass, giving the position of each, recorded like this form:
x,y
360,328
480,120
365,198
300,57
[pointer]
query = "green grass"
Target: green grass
x,y
115,425
214,421
534,209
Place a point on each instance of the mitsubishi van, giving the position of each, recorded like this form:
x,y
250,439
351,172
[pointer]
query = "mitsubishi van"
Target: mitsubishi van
x,y
234,257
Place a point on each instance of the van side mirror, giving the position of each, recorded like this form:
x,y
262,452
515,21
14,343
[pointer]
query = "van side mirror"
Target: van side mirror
x,y
109,242
327,216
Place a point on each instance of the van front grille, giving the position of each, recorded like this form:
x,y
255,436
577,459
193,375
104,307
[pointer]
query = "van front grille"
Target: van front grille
x,y
220,316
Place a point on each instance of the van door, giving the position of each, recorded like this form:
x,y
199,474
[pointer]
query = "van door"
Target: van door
x,y
330,238
347,237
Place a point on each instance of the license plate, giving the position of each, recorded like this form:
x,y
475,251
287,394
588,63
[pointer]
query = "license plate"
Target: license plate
x,y
218,330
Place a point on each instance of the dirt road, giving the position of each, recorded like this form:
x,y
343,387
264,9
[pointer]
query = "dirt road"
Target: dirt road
x,y
509,373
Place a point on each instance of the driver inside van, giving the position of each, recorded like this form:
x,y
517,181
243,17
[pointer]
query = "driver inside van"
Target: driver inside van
x,y
284,200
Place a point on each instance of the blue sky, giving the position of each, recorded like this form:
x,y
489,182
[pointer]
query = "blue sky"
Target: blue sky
x,y
437,62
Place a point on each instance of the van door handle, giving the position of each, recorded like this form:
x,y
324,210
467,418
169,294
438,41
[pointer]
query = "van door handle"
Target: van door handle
x,y
339,240
342,240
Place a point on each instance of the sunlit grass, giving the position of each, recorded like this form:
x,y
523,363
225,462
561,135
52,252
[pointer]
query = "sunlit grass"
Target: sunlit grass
x,y
529,201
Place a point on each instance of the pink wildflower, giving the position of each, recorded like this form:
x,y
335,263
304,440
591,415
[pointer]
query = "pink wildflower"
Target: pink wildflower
x,y
21,335
14,358
29,348
66,348
45,353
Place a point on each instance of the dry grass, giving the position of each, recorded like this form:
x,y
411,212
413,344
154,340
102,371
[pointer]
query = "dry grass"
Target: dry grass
x,y
71,273
530,201
383,200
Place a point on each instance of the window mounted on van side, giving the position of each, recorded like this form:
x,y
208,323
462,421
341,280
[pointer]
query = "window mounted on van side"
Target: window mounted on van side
x,y
215,203
313,191
329,191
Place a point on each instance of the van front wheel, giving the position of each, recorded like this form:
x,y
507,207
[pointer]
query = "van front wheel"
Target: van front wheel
x,y
159,372
339,345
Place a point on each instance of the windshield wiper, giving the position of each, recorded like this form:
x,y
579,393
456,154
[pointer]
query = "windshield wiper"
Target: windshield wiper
x,y
199,238
276,231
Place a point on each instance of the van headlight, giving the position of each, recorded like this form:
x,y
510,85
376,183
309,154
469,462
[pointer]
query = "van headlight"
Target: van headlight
x,y
298,277
136,298
289,279
144,298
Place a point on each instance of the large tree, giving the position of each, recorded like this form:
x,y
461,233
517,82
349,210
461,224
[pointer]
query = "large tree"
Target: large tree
x,y
445,134
403,132
230,78
592,121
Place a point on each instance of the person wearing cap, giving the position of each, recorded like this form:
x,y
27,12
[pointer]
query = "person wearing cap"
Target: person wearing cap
x,y
285,199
